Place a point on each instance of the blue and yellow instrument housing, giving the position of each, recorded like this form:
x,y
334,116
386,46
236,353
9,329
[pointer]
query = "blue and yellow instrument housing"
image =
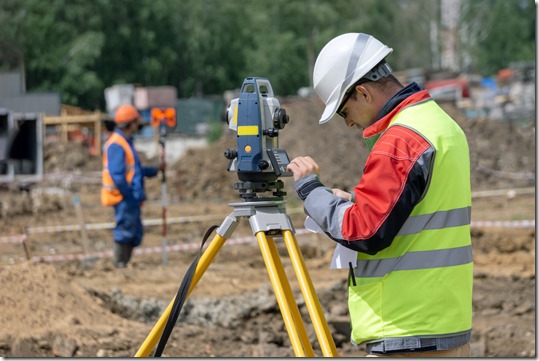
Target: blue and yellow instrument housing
x,y
256,117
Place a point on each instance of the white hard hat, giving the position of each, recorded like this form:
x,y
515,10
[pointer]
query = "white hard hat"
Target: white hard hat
x,y
343,61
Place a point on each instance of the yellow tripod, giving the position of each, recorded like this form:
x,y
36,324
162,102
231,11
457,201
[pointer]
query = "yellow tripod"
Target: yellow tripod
x,y
268,219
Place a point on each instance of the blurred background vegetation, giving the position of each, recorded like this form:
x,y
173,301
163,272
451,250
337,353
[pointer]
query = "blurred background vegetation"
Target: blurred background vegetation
x,y
203,47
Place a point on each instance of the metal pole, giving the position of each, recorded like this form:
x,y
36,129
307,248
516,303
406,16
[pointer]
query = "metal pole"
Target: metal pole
x,y
164,194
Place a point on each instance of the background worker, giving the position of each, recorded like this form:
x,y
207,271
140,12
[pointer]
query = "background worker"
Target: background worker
x,y
123,183
410,293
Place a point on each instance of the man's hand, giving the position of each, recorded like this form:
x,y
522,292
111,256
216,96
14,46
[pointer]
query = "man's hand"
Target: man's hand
x,y
162,166
302,166
342,194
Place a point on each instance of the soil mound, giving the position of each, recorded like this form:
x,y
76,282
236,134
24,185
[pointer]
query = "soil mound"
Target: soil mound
x,y
45,311
71,157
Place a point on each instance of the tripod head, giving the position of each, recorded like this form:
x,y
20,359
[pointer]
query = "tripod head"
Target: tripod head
x,y
257,118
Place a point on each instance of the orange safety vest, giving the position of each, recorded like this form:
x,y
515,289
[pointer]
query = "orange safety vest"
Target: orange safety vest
x,y
110,195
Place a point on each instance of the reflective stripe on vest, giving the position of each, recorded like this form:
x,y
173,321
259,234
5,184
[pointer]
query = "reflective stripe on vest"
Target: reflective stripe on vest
x,y
415,261
110,195
422,284
442,219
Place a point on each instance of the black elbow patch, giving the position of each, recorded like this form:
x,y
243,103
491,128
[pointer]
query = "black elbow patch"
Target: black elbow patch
x,y
370,246
307,188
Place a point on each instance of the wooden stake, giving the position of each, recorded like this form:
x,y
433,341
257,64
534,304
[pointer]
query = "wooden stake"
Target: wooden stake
x,y
25,246
80,219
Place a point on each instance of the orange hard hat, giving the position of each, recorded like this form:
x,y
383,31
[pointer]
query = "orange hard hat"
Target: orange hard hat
x,y
126,113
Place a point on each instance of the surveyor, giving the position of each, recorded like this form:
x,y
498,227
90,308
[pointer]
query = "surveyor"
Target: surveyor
x,y
123,183
408,218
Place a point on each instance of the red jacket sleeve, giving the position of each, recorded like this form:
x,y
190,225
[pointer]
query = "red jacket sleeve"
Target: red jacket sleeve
x,y
384,179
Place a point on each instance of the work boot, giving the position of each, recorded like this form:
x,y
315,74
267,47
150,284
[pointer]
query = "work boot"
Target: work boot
x,y
122,254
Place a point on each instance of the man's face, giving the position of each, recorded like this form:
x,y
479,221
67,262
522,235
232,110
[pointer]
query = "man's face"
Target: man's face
x,y
357,110
139,125
134,125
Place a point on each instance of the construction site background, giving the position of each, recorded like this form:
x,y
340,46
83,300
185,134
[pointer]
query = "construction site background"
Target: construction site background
x,y
63,297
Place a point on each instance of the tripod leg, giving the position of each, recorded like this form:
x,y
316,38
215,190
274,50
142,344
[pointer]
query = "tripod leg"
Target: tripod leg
x,y
283,293
298,320
311,300
205,260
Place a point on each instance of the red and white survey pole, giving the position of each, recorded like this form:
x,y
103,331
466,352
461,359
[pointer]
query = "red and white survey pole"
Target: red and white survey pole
x,y
161,119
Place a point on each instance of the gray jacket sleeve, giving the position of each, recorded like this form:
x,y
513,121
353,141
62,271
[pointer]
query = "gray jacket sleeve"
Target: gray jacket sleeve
x,y
329,216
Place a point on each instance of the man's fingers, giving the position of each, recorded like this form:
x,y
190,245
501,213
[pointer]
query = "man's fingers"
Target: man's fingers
x,y
302,166
304,162
308,163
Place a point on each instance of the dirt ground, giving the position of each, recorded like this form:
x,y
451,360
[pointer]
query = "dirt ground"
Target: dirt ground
x,y
87,308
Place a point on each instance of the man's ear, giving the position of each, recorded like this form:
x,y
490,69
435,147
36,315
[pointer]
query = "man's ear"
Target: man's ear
x,y
365,93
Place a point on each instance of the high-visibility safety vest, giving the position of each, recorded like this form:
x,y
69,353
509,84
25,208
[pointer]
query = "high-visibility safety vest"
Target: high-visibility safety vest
x,y
110,195
422,284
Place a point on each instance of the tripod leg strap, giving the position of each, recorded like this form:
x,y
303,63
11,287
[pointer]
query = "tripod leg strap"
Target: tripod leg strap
x,y
181,296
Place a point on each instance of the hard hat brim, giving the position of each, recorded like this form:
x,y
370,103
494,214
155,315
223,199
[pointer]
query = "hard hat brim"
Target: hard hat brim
x,y
329,111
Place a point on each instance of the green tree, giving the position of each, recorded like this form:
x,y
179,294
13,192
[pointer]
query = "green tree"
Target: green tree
x,y
204,47
500,32
216,40
59,46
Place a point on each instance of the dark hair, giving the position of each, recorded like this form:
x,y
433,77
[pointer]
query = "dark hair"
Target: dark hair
x,y
388,80
124,125
352,92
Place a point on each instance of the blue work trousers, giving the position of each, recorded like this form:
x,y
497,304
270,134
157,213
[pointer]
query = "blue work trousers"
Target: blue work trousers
x,y
128,229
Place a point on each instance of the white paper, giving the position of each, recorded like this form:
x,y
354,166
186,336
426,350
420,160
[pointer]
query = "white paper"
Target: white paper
x,y
342,256
312,226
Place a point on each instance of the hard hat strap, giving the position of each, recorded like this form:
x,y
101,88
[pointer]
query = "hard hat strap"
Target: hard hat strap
x,y
380,71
